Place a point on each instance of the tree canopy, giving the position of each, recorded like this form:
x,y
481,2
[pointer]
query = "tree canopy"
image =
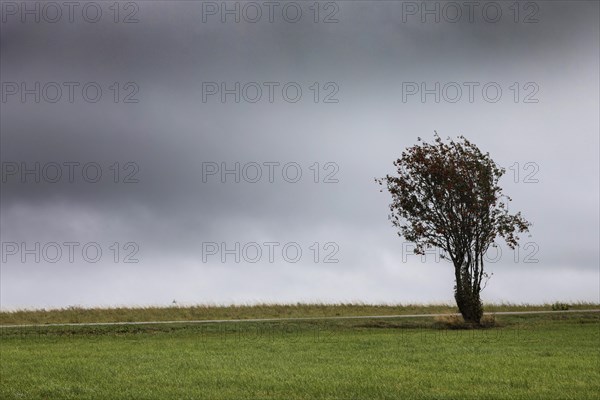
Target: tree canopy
x,y
446,195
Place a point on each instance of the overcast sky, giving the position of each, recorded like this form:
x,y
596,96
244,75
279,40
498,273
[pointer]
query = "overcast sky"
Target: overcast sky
x,y
163,129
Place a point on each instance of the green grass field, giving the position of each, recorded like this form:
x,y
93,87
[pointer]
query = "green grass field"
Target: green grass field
x,y
539,356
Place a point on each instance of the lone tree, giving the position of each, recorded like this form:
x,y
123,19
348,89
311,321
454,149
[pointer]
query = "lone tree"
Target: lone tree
x,y
446,195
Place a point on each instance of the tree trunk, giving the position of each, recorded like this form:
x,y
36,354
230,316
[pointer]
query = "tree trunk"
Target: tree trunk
x,y
467,297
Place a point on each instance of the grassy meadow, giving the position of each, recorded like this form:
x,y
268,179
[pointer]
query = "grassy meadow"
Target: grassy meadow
x,y
535,356
216,312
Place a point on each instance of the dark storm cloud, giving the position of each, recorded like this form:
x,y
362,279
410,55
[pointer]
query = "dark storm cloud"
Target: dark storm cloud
x,y
170,133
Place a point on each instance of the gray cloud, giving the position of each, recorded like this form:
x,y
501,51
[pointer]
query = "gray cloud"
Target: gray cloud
x,y
171,132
